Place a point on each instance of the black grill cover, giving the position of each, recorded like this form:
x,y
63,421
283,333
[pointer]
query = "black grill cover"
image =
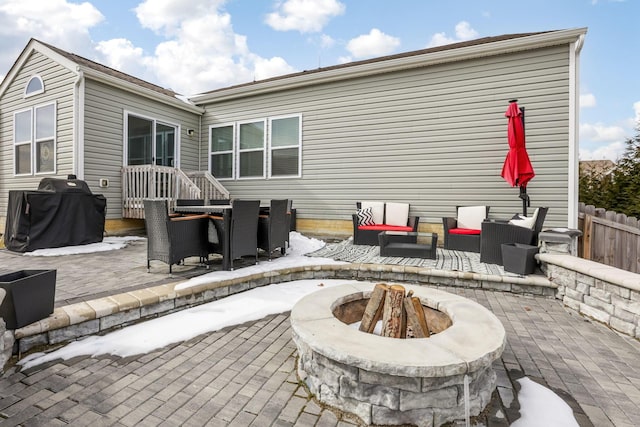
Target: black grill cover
x,y
64,185
51,219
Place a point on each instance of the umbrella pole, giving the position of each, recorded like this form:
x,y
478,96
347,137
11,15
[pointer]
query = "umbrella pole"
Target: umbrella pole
x,y
526,201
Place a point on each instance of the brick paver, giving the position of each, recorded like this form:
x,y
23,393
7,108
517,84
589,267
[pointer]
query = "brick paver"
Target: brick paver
x,y
245,375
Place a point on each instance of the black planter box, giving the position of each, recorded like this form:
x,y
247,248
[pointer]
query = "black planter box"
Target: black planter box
x,y
519,258
30,296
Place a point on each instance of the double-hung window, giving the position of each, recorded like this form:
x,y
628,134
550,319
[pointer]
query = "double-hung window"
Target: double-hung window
x,y
34,140
251,143
265,148
221,158
284,146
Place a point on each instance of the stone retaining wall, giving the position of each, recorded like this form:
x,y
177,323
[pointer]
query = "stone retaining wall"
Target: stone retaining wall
x,y
615,299
606,294
104,314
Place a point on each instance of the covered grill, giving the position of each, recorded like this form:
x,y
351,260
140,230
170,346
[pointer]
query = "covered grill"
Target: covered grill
x,y
62,212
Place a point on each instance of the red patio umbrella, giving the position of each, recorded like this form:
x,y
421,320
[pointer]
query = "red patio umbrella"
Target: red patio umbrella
x,y
517,169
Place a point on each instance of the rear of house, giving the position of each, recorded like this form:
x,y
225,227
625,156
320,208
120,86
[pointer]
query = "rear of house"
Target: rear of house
x,y
424,127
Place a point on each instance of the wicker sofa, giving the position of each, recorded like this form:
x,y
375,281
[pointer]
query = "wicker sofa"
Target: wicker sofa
x,y
372,218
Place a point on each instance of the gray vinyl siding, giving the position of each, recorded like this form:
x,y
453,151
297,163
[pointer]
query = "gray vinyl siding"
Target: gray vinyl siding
x,y
435,137
104,136
58,83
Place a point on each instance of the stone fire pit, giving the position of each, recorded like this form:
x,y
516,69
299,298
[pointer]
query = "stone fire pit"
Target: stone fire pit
x,y
390,381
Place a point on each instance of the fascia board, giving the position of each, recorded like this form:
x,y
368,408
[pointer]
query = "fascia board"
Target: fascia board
x,y
421,60
139,90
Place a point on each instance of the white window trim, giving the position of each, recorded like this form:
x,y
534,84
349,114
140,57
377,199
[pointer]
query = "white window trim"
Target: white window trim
x,y
32,140
264,150
156,121
36,140
232,151
37,92
270,147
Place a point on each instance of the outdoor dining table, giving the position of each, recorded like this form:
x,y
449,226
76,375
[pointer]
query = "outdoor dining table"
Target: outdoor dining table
x,y
226,211
203,209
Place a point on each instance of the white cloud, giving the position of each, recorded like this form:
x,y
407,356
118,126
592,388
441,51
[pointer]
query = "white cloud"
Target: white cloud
x,y
612,151
600,133
57,22
636,108
305,16
201,51
463,32
326,41
376,43
587,100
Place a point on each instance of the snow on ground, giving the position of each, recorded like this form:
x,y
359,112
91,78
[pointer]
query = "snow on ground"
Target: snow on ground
x,y
539,406
107,244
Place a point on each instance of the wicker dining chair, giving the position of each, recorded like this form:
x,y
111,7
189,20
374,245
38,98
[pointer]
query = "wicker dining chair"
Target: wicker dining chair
x,y
273,228
172,239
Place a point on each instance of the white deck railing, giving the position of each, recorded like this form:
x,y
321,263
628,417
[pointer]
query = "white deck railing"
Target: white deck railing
x,y
209,186
154,182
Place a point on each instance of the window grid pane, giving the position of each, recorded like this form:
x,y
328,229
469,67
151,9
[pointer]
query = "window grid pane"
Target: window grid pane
x,y
45,117
222,165
45,156
251,164
222,138
252,136
23,159
284,162
22,127
285,132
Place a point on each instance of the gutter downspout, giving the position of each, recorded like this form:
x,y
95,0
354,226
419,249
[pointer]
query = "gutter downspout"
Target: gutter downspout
x,y
200,142
574,127
77,164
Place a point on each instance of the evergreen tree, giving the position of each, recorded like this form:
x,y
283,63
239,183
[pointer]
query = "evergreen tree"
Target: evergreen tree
x,y
618,191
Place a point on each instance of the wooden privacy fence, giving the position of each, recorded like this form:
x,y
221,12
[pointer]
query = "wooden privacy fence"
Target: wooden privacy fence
x,y
609,238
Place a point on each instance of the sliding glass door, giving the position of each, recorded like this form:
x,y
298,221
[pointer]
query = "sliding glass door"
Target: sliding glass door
x,y
150,142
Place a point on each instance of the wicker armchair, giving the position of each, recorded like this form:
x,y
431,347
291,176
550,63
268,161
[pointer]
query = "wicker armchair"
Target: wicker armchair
x,y
458,235
172,239
497,232
273,228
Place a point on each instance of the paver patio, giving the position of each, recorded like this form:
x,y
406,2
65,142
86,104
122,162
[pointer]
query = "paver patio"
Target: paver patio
x,y
245,375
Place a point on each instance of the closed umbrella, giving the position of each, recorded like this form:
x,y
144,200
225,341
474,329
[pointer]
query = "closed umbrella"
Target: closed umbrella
x,y
517,169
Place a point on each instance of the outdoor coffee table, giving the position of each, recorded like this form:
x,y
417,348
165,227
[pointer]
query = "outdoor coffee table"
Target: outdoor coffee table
x,y
409,244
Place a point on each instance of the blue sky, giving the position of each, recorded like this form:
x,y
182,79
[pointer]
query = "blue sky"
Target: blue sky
x,y
197,45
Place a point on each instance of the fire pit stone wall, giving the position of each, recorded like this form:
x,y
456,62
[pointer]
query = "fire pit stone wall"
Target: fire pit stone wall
x,y
388,381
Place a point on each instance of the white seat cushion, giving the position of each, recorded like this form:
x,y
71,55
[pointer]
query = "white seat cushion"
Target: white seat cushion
x,y
471,217
377,210
397,214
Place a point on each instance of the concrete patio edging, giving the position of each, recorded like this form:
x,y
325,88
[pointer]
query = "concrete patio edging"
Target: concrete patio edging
x,y
108,313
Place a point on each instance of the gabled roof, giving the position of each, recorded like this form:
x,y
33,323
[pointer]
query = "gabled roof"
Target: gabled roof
x,y
96,71
419,58
84,62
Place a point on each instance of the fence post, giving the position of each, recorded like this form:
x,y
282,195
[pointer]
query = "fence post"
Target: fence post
x,y
587,236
